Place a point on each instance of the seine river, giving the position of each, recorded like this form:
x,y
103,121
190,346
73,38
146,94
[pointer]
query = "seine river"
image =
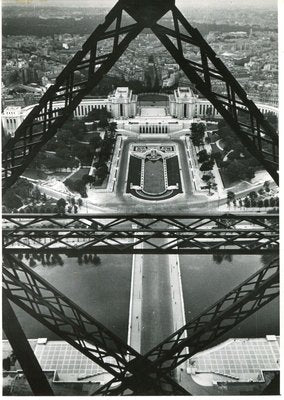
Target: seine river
x,y
205,282
103,291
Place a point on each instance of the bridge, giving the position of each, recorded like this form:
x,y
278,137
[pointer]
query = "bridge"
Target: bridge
x,y
133,372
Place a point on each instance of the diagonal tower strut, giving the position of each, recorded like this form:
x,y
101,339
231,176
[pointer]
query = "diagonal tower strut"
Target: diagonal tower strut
x,y
237,305
135,372
253,130
66,319
44,120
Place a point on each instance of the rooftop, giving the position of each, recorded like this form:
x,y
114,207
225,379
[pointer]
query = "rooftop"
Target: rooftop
x,y
236,360
69,364
122,92
184,92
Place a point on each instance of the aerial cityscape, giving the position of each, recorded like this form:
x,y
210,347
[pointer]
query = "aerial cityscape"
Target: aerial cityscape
x,y
140,198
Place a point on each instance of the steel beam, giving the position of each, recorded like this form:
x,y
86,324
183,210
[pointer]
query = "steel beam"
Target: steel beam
x,y
241,302
121,234
243,234
43,121
63,317
66,319
35,376
256,134
135,372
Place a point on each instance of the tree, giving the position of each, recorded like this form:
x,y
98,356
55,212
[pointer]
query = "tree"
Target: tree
x,y
266,186
112,128
95,142
206,178
106,149
80,202
230,195
272,202
207,165
203,156
261,191
32,263
36,193
218,258
83,152
253,195
87,179
197,133
101,115
253,203
239,170
44,198
260,203
102,171
61,210
247,202
61,203
266,203
96,260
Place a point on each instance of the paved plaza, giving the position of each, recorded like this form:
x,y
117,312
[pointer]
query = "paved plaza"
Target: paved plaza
x,y
153,112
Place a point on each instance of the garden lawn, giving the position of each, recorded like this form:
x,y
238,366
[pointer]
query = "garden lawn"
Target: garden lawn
x,y
173,172
79,174
134,172
154,180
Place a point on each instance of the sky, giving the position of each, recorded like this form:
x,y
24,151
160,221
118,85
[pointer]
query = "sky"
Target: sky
x,y
180,3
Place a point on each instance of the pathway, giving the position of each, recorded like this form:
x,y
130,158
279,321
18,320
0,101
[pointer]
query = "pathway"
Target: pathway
x,y
156,300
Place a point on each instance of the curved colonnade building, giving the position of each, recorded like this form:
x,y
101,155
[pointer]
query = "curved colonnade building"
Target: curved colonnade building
x,y
182,106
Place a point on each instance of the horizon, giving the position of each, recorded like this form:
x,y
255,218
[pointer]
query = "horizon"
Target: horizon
x,y
104,4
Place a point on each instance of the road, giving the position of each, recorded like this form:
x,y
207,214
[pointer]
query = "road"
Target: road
x,y
157,315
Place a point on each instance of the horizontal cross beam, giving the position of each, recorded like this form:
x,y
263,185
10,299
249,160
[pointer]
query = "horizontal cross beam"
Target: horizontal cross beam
x,y
120,234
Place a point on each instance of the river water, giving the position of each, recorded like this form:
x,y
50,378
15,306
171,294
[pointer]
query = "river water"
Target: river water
x,y
104,290
205,282
101,290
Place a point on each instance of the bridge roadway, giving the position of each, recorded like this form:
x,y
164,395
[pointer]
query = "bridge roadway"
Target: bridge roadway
x,y
156,299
